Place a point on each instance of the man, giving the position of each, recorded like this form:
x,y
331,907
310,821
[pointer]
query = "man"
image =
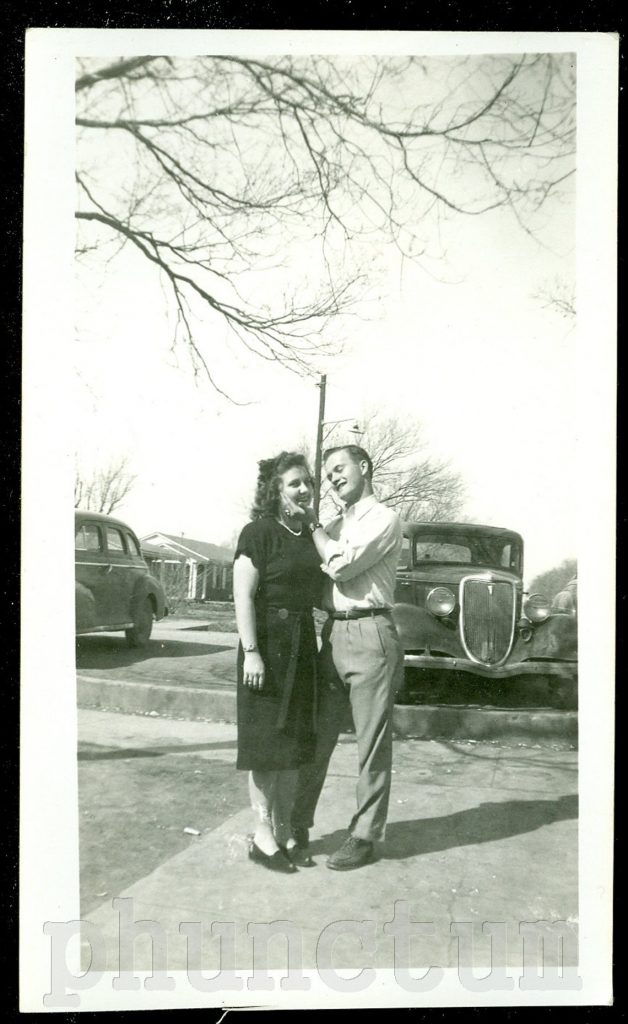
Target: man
x,y
361,658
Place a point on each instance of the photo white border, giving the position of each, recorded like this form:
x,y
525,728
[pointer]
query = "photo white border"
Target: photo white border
x,y
49,804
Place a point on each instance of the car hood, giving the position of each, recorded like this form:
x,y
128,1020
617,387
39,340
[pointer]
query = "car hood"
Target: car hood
x,y
452,574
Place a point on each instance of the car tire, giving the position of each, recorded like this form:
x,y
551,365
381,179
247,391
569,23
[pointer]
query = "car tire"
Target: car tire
x,y
139,634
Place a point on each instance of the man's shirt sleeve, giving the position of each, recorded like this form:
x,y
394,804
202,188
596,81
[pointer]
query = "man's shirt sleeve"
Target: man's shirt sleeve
x,y
376,535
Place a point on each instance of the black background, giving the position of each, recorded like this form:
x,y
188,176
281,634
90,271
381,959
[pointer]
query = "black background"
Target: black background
x,y
598,16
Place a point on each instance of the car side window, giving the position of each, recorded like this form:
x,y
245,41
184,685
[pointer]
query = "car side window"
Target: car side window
x,y
115,541
88,537
506,559
133,546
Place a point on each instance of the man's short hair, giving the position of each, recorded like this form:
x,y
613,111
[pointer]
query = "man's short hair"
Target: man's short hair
x,y
357,455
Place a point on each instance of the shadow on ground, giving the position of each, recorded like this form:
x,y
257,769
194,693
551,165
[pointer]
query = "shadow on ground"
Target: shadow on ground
x,y
485,823
112,651
94,752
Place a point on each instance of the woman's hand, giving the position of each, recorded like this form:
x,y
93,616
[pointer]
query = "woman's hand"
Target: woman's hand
x,y
253,672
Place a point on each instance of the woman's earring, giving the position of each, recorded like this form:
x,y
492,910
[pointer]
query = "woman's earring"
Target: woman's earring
x,y
287,512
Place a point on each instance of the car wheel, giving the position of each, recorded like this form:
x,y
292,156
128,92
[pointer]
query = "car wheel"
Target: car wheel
x,y
139,634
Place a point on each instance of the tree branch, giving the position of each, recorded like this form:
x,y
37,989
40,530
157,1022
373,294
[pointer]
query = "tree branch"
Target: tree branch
x,y
119,70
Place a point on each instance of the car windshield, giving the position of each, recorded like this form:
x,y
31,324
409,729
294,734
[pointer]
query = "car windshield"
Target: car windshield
x,y
469,549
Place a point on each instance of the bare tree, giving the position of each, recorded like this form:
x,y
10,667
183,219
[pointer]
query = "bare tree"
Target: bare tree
x,y
231,174
405,475
558,295
230,541
105,489
408,478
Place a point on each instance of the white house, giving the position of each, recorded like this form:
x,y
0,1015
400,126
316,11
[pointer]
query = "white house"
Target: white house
x,y
202,571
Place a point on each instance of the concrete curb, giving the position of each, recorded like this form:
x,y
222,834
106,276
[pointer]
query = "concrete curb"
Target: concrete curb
x,y
144,698
431,722
508,726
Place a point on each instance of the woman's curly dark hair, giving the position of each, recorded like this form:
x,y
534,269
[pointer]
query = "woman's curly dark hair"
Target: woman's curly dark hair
x,y
266,501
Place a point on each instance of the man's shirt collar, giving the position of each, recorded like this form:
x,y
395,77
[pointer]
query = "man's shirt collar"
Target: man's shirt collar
x,y
361,507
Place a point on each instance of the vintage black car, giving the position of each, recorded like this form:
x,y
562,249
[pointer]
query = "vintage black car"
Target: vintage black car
x,y
467,626
113,587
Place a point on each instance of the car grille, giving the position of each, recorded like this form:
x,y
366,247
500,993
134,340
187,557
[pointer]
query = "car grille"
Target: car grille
x,y
488,619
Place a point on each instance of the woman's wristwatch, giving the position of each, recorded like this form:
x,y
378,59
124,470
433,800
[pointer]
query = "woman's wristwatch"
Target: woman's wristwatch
x,y
250,648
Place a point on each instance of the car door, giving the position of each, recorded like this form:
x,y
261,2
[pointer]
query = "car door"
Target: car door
x,y
91,575
121,578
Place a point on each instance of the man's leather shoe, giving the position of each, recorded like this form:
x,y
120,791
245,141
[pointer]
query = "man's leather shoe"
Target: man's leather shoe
x,y
277,861
353,853
298,855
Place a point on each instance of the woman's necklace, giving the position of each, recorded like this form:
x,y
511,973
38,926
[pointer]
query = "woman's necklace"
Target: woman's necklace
x,y
295,533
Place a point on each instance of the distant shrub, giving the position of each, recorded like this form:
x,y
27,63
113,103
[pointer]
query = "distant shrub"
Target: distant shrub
x,y
554,580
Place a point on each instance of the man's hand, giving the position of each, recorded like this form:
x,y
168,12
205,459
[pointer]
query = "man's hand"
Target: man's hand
x,y
300,513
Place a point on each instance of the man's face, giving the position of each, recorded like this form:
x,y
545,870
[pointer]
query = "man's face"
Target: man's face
x,y
347,477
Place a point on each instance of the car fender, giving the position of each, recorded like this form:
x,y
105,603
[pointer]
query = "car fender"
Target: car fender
x,y
84,605
148,587
556,638
418,629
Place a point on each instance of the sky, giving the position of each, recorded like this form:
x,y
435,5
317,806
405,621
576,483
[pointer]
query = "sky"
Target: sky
x,y
463,344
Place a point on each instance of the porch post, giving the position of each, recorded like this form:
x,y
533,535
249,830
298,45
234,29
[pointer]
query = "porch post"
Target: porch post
x,y
192,583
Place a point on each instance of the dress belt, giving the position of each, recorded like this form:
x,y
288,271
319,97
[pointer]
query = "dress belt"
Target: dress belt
x,y
359,613
287,613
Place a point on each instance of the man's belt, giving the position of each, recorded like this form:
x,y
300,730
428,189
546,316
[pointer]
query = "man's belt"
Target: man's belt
x,y
359,613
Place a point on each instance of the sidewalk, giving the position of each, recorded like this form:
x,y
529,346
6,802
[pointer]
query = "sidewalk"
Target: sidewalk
x,y
477,833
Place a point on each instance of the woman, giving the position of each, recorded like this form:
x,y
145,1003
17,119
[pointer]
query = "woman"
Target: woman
x,y
276,581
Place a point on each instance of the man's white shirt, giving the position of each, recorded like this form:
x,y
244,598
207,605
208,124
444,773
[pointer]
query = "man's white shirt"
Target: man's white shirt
x,y
361,556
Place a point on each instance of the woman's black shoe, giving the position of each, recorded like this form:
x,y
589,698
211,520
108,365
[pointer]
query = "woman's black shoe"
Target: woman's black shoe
x,y
296,855
277,861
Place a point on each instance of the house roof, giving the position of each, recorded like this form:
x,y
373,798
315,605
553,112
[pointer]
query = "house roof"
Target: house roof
x,y
188,548
160,551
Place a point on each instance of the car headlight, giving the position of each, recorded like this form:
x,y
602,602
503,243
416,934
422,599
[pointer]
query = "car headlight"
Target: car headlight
x,y
536,608
440,601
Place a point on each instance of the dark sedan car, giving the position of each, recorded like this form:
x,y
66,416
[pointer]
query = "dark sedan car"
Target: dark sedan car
x,y
114,588
461,612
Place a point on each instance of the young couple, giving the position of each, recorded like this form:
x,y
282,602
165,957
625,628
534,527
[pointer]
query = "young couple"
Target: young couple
x,y
292,699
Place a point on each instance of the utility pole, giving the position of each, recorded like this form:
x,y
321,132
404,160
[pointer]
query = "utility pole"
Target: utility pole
x,y
318,467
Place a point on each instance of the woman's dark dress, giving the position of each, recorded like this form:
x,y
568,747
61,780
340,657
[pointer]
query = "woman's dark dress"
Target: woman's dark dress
x,y
276,724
